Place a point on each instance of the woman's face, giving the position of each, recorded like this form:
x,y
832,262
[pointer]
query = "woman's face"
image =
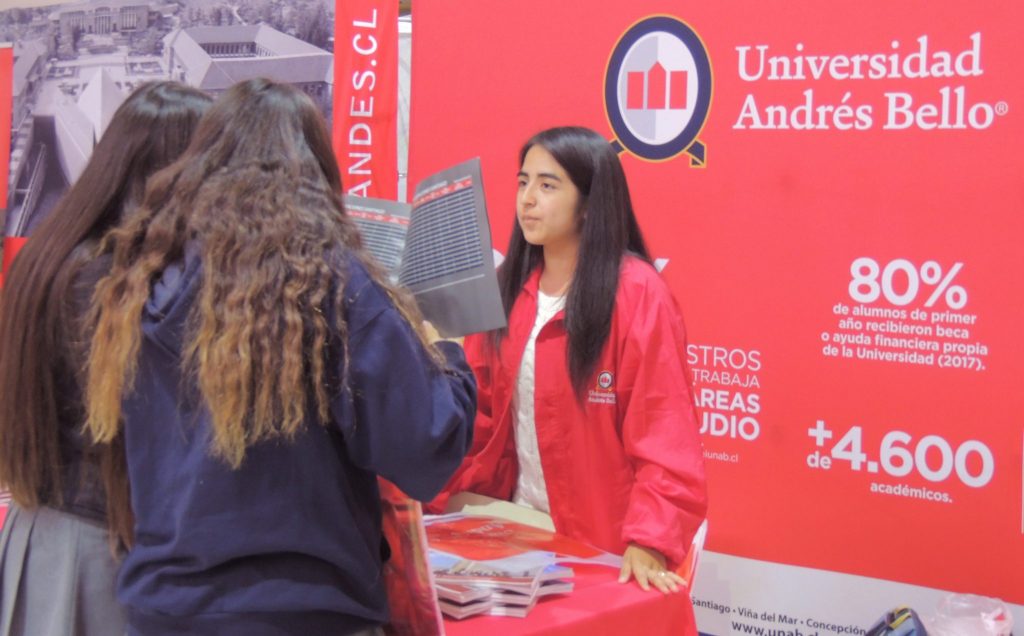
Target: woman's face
x,y
547,201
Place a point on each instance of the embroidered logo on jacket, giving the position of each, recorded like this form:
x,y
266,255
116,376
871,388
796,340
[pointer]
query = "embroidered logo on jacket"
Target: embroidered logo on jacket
x,y
604,392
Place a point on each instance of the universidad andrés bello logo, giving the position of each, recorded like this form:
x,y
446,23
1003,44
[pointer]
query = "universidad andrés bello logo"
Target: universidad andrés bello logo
x,y
657,90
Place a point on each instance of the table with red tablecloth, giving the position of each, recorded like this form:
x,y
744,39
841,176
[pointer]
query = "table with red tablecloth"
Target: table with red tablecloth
x,y
598,605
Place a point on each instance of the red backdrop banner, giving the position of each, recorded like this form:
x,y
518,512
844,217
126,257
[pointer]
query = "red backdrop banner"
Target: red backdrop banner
x,y
366,96
6,87
837,196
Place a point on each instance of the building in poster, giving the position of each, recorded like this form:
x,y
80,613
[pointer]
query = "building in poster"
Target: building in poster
x,y
29,69
76,62
215,57
79,123
109,16
28,72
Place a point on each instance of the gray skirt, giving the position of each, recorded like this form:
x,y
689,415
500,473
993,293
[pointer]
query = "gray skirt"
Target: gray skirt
x,y
56,576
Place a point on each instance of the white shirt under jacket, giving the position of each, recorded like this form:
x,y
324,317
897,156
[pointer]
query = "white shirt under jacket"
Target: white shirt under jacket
x,y
530,488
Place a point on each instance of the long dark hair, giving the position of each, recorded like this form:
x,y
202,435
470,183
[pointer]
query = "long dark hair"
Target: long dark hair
x,y
149,130
259,193
608,230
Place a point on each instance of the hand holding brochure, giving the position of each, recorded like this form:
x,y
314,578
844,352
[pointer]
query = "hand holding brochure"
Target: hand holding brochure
x,y
439,248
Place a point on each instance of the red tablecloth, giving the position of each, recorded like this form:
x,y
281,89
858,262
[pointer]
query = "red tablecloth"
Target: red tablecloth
x,y
598,605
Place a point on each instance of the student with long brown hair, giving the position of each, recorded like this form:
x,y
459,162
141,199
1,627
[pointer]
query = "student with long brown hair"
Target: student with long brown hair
x,y
265,374
57,564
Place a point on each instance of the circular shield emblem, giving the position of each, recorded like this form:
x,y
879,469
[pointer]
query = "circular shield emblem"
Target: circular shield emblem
x,y
605,380
657,90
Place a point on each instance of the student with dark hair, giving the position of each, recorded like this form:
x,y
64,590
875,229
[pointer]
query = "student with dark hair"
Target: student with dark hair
x,y
585,410
58,563
265,374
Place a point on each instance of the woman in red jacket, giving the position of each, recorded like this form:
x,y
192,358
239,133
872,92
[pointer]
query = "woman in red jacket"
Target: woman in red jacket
x,y
584,407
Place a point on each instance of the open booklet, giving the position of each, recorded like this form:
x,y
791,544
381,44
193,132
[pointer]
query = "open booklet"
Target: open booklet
x,y
487,538
439,247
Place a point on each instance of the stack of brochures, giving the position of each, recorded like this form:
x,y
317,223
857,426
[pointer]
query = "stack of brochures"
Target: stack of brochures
x,y
501,587
459,601
482,564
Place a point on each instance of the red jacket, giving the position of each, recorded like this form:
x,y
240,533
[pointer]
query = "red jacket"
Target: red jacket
x,y
627,465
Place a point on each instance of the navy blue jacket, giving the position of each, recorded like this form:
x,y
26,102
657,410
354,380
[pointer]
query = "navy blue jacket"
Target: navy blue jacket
x,y
290,542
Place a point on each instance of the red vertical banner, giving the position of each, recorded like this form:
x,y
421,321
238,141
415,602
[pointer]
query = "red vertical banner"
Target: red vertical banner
x,y
6,88
366,96
11,246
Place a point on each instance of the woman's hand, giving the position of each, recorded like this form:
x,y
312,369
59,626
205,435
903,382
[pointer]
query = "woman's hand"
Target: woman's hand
x,y
647,566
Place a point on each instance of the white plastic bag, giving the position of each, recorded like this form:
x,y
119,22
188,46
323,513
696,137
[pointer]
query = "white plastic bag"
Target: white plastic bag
x,y
971,615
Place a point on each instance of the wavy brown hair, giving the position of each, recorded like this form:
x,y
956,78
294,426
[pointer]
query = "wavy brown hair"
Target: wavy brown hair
x,y
38,326
258,193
